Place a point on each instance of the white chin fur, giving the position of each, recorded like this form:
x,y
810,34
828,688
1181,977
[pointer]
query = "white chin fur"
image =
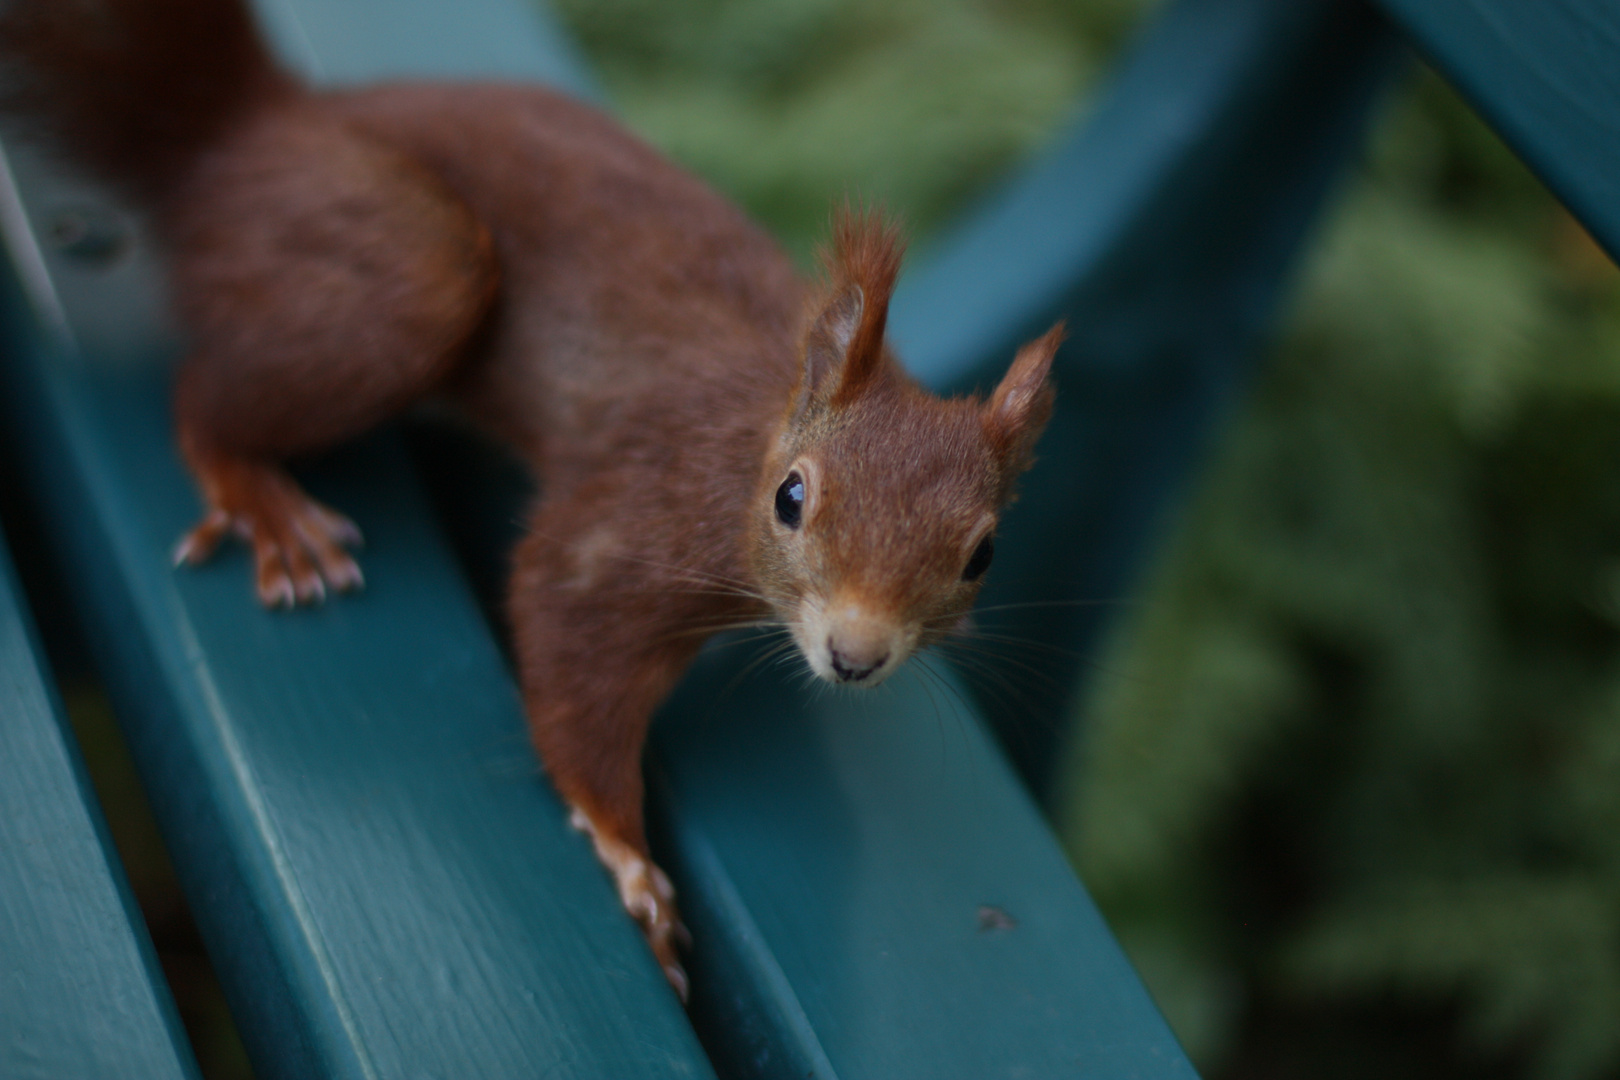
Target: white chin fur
x,y
867,636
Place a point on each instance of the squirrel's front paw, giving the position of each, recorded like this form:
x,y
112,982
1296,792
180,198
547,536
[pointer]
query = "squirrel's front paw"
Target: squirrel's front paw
x,y
298,544
650,898
646,894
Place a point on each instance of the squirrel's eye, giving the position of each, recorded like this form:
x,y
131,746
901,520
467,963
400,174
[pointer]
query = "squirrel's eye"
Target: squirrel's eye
x,y
790,501
979,561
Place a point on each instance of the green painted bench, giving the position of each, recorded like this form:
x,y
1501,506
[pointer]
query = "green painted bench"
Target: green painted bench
x,y
79,989
385,883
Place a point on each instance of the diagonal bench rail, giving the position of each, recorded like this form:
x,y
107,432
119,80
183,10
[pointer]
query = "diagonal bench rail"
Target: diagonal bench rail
x,y
349,797
1547,78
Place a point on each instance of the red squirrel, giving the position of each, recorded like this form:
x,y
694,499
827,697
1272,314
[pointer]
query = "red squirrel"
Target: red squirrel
x,y
717,441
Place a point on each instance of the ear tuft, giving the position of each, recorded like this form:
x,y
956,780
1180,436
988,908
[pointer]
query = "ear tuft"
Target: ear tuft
x,y
1019,409
846,339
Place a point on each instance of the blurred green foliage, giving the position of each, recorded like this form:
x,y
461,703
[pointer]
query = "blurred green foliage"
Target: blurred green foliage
x,y
1346,784
788,105
1359,745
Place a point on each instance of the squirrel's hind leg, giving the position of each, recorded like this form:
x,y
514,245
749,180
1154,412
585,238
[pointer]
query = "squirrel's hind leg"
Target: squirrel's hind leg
x,y
327,282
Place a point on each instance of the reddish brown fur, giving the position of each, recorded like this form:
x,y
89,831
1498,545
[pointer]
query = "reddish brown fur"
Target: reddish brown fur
x,y
865,254
1020,407
631,334
133,91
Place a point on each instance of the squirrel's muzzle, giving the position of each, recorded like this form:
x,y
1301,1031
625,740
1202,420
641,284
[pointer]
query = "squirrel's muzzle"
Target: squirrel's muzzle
x,y
851,644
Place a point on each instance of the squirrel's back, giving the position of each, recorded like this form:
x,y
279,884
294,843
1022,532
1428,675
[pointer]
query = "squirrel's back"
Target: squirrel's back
x,y
599,239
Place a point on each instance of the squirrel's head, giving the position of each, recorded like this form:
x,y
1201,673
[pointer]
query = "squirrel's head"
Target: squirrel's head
x,y
876,513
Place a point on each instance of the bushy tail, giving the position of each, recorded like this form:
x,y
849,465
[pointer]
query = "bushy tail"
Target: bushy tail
x,y
133,90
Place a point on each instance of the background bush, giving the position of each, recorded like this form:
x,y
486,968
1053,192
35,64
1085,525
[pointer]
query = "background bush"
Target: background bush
x,y
1355,755
1346,784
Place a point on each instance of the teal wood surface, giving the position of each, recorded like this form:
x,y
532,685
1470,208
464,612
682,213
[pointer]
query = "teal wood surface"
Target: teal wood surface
x,y
80,991
1545,75
877,897
354,41
386,884
1163,227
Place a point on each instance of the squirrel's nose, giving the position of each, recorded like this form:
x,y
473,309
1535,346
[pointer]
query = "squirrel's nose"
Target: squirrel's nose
x,y
860,645
853,669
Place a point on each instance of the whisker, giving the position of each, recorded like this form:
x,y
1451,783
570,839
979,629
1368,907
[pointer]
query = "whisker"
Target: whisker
x,y
776,655
964,709
992,637
939,721
967,707
1003,648
963,654
1021,605
714,647
709,629
785,652
1000,652
720,583
990,678
946,684
767,655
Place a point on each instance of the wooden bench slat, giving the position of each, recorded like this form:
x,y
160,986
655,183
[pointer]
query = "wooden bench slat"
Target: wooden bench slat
x,y
356,41
386,884
80,991
1545,76
878,897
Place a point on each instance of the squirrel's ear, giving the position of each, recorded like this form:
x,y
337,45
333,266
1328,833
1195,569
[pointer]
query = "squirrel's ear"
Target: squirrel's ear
x,y
827,345
1018,410
843,350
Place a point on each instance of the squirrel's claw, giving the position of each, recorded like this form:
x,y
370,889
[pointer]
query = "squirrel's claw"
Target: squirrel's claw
x,y
198,545
647,895
298,544
678,980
